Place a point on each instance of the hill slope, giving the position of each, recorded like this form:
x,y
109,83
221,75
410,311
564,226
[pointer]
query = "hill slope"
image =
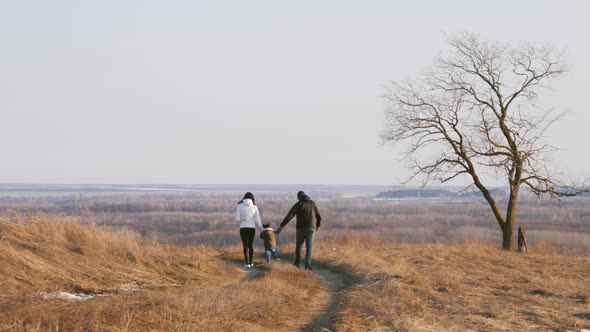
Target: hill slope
x,y
57,274
117,281
466,287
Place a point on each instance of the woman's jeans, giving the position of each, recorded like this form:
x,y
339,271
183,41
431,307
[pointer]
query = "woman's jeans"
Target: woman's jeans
x,y
307,236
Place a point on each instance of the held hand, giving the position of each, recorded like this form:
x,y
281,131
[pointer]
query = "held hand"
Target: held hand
x,y
278,231
317,229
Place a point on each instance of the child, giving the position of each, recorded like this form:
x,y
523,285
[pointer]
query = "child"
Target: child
x,y
270,242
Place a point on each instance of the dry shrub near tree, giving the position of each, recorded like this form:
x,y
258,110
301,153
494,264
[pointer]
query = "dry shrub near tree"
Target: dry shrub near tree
x,y
476,111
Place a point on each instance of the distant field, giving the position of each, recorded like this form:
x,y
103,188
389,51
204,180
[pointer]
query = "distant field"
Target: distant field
x,y
198,216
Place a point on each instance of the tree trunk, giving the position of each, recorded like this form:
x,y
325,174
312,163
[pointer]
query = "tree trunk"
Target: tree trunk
x,y
507,237
508,227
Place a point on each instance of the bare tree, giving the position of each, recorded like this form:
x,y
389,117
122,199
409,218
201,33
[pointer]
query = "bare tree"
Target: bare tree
x,y
475,109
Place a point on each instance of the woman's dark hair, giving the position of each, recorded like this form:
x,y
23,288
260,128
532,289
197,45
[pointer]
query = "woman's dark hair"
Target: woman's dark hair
x,y
248,195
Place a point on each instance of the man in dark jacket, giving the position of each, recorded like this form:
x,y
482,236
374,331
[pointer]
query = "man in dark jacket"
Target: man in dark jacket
x,y
308,223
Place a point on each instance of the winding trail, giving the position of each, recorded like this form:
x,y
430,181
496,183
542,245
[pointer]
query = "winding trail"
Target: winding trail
x,y
320,313
326,303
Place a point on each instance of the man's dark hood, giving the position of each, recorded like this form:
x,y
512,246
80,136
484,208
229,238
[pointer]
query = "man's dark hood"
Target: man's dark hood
x,y
303,197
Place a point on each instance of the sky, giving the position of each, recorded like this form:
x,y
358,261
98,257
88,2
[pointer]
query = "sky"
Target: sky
x,y
244,92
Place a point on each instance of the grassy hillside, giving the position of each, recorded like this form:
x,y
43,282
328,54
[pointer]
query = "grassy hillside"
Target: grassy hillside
x,y
44,253
135,284
367,284
466,287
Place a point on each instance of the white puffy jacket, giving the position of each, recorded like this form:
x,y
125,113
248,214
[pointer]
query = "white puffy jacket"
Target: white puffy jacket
x,y
247,215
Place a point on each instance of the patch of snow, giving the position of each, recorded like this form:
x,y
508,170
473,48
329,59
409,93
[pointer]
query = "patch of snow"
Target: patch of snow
x,y
129,287
67,296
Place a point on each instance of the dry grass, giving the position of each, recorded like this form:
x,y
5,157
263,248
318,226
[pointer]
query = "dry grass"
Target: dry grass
x,y
397,287
476,287
263,303
181,288
45,253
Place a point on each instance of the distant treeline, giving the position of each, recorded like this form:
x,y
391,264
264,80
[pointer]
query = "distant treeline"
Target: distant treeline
x,y
443,193
432,193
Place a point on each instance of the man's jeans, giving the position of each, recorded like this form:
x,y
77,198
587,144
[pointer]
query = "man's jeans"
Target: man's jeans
x,y
302,235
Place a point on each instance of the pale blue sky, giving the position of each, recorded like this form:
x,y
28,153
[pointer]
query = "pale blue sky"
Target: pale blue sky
x,y
243,91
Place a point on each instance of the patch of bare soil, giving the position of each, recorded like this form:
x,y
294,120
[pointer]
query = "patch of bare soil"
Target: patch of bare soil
x,y
325,304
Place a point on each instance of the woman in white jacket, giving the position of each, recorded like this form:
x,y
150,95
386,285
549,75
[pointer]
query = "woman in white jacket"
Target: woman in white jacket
x,y
248,216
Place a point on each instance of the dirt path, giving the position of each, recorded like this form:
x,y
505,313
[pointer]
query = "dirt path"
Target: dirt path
x,y
247,274
320,313
325,305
